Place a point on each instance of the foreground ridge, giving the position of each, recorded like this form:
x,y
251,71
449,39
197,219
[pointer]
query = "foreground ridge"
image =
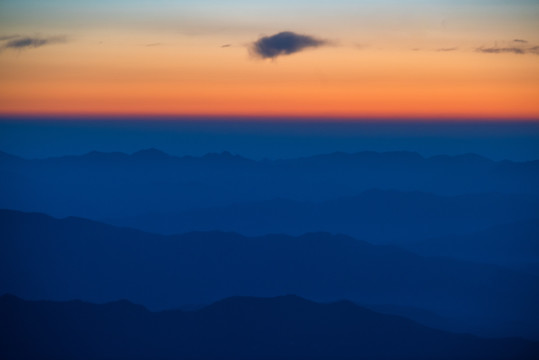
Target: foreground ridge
x,y
285,327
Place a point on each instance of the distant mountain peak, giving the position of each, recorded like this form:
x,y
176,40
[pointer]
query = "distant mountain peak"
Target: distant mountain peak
x,y
224,155
465,158
7,156
9,298
151,153
367,156
98,156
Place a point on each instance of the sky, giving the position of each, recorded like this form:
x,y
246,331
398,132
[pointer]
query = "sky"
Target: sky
x,y
436,59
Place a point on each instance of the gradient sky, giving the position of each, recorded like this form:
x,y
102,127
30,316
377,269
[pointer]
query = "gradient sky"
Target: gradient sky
x,y
386,58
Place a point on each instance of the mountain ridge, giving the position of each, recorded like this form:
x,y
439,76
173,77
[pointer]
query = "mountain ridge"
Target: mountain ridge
x,y
73,258
377,216
156,153
107,184
284,327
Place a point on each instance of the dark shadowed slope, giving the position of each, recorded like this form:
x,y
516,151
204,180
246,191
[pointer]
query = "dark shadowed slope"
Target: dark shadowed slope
x,y
103,185
285,327
486,327
375,216
42,257
514,245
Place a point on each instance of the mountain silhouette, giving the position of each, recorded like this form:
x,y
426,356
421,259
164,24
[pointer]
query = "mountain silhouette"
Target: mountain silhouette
x,y
486,327
376,216
514,245
286,327
150,154
103,185
43,257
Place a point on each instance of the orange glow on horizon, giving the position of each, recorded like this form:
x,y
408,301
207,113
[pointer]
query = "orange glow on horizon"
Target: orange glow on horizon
x,y
336,82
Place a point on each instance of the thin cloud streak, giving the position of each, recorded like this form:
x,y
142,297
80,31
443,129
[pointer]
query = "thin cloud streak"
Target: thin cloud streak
x,y
27,42
447,49
509,50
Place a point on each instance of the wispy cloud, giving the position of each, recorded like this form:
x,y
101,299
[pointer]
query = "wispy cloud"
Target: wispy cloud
x,y
284,43
501,50
27,42
447,49
509,50
515,46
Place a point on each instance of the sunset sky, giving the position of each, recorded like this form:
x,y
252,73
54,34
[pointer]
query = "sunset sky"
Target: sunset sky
x,y
386,58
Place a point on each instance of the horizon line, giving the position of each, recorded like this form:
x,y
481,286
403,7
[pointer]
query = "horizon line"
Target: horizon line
x,y
461,119
246,157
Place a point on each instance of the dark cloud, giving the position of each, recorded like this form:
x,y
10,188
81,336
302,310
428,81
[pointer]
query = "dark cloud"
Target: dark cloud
x,y
284,43
501,50
447,49
26,42
510,50
226,45
520,41
534,50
